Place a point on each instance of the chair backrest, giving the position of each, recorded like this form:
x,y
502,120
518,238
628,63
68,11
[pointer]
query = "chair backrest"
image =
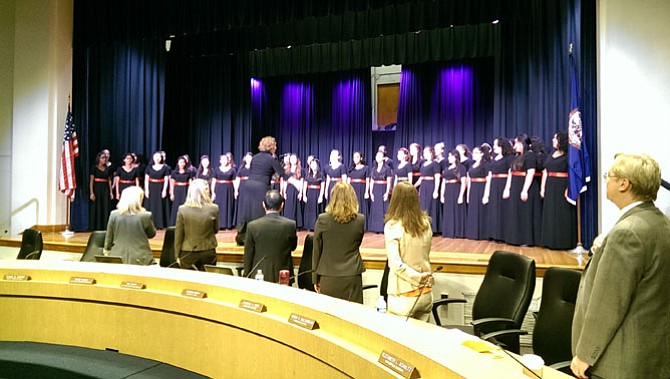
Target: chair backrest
x,y
507,288
31,245
552,336
167,253
94,246
305,277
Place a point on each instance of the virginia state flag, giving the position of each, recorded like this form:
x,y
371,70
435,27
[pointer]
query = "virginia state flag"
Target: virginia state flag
x,y
579,165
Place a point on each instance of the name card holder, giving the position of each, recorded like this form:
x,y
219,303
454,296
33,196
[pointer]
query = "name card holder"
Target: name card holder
x,y
16,277
398,365
133,285
82,280
193,293
303,322
252,306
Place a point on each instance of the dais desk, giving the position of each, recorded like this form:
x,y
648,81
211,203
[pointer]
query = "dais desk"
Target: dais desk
x,y
213,336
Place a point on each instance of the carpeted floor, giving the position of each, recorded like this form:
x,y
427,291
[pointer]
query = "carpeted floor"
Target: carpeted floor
x,y
28,360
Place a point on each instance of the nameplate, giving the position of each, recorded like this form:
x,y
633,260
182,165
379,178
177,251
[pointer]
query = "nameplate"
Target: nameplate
x,y
194,293
303,322
398,365
81,280
252,306
16,277
133,285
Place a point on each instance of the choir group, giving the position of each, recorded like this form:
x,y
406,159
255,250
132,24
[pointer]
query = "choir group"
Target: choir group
x,y
513,192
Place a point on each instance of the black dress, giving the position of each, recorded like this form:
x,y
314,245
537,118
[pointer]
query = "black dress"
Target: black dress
x,y
520,219
453,222
126,178
357,178
293,206
181,183
225,196
100,209
263,166
416,170
312,206
559,218
336,175
378,206
243,177
155,202
426,190
401,172
497,207
475,219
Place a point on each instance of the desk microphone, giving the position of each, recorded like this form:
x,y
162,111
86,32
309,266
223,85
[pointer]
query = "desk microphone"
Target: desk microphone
x,y
438,268
248,275
177,261
31,254
300,274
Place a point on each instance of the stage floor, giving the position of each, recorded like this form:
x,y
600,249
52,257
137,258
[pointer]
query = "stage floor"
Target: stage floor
x,y
455,255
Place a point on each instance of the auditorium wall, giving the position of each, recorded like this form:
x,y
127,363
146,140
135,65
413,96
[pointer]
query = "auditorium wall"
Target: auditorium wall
x,y
35,80
634,89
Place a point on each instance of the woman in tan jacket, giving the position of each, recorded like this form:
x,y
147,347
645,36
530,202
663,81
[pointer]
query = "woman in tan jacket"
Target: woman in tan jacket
x,y
197,224
408,235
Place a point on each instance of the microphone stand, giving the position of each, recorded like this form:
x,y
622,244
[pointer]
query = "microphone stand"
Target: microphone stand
x,y
438,268
248,275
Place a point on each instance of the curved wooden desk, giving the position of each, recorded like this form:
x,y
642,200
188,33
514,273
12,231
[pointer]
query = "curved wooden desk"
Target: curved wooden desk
x,y
214,336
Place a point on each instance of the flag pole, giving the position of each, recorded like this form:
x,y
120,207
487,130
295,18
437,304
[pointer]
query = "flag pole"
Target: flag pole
x,y
579,249
67,232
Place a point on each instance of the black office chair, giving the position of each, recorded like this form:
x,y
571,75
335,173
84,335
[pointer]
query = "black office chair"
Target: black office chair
x,y
94,246
304,276
31,245
552,334
168,258
503,298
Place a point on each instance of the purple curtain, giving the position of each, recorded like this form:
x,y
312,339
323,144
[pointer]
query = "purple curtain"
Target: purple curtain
x,y
314,114
449,102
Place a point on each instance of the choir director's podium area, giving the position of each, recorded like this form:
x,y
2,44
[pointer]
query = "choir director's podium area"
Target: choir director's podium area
x,y
227,326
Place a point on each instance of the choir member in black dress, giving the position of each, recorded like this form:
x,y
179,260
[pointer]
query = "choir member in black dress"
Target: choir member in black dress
x,y
464,151
126,175
380,189
313,190
428,186
292,191
522,195
189,166
240,185
140,166
334,172
205,169
100,189
537,146
403,172
359,178
387,160
223,191
438,148
180,178
453,197
495,186
263,166
476,216
156,184
416,161
559,224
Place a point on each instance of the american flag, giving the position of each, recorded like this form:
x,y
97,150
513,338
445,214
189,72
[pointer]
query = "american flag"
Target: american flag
x,y
68,182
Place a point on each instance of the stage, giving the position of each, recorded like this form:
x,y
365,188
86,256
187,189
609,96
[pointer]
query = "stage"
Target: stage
x,y
461,256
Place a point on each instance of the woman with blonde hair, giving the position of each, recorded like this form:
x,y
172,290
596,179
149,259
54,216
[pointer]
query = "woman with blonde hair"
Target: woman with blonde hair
x,y
336,259
129,228
197,224
408,237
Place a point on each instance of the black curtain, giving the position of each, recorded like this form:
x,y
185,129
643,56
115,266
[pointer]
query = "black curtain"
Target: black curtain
x,y
119,97
207,107
314,114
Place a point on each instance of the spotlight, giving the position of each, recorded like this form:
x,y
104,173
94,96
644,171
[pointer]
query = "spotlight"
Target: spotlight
x,y
495,22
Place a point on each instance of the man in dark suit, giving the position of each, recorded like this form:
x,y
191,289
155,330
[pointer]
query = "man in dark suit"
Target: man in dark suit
x,y
270,240
621,327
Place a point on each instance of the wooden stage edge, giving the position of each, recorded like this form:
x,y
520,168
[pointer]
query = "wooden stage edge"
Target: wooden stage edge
x,y
459,256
